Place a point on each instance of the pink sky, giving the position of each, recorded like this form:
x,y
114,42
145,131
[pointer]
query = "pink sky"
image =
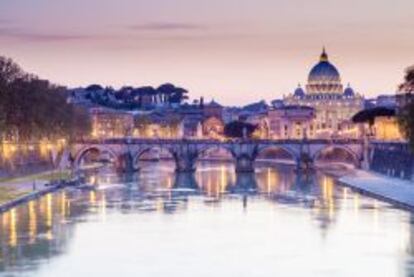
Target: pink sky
x,y
236,51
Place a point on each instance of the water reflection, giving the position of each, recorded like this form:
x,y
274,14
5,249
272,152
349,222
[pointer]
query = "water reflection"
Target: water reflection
x,y
32,222
312,206
184,181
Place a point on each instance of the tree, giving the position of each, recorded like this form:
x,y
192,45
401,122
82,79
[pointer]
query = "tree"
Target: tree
x,y
94,87
369,115
34,109
239,129
10,72
406,112
175,95
408,85
136,98
406,122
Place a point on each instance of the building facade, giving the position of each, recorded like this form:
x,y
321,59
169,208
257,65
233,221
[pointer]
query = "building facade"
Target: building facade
x,y
158,125
261,121
213,109
108,123
291,122
386,128
213,128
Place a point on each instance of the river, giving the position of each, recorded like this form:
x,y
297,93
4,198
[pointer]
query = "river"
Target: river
x,y
212,223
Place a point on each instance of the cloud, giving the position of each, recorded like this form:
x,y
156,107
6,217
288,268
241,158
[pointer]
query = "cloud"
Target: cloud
x,y
201,37
25,35
181,31
167,26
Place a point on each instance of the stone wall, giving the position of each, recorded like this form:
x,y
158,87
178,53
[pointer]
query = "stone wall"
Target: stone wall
x,y
393,159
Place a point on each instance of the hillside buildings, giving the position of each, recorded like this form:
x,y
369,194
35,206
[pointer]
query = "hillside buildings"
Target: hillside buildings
x,y
187,120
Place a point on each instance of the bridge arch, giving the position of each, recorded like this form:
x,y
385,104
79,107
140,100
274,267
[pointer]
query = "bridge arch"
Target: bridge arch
x,y
215,147
286,149
355,157
147,149
85,150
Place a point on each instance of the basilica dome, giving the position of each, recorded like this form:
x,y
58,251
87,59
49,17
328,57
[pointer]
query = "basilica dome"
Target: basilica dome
x,y
324,77
299,92
349,92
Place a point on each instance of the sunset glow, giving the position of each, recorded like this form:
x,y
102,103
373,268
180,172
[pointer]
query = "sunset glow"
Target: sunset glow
x,y
233,51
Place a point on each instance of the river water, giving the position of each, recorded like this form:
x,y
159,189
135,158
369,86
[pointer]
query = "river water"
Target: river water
x,y
213,223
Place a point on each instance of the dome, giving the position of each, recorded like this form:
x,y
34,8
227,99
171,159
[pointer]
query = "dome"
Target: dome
x,y
299,92
324,77
349,92
324,71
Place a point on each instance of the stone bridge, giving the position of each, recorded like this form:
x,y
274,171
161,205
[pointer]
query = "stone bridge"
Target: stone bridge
x,y
126,152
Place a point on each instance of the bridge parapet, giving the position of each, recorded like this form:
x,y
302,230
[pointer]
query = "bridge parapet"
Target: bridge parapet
x,y
215,141
391,145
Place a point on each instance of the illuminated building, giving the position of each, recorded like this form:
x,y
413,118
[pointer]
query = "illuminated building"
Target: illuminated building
x,y
325,93
108,123
158,125
260,120
348,129
291,122
192,118
386,128
213,109
380,123
213,127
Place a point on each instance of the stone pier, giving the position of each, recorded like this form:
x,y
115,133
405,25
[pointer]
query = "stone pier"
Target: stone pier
x,y
244,164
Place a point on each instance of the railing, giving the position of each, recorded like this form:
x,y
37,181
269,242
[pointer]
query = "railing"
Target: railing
x,y
392,146
216,141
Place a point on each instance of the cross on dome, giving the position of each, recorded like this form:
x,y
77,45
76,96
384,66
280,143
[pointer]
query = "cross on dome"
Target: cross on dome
x,y
324,55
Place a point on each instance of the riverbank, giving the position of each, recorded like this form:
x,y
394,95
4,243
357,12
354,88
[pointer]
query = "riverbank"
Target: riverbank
x,y
392,190
48,188
14,189
24,169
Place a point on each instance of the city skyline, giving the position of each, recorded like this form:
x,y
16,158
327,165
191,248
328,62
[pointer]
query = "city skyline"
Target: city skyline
x,y
234,51
193,137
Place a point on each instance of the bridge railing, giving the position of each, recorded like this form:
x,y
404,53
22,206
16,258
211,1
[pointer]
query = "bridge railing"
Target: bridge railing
x,y
392,146
216,141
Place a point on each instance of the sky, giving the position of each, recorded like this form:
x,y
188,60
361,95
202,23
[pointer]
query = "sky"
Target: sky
x,y
235,51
